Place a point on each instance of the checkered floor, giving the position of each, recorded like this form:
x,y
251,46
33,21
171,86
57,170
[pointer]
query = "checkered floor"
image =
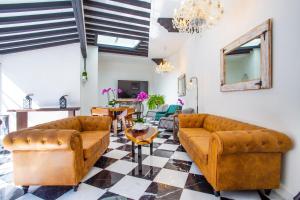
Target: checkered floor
x,y
168,174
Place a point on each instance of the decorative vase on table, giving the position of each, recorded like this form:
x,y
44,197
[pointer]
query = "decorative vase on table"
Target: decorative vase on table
x,y
141,97
27,101
111,92
63,102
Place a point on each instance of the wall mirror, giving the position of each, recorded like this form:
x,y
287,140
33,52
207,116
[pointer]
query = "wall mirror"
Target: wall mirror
x,y
181,85
246,62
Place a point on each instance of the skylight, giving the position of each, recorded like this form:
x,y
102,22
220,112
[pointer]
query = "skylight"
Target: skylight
x,y
254,42
117,41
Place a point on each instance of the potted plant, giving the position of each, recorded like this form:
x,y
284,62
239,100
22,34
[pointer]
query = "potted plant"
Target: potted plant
x,y
141,97
108,92
155,101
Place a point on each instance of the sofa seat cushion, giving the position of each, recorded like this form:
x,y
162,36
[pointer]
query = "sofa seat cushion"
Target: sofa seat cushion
x,y
200,146
91,142
186,133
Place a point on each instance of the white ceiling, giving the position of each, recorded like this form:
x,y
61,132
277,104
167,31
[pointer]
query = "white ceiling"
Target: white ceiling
x,y
162,43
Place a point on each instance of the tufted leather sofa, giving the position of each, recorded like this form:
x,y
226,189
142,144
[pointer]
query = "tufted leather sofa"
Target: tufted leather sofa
x,y
60,152
233,155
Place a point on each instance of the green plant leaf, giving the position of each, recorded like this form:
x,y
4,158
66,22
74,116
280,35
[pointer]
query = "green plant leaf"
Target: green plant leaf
x,y
155,100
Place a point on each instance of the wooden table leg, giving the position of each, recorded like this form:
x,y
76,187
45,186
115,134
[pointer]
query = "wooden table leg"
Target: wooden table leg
x,y
71,113
22,120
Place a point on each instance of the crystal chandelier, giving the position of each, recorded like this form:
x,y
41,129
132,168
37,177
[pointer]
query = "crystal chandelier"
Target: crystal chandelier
x,y
195,16
163,67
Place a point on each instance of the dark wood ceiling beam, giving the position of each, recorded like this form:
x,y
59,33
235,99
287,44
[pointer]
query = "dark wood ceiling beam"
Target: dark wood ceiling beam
x,y
136,3
157,60
38,41
35,18
12,38
123,52
117,35
37,27
104,48
116,30
117,17
79,18
37,6
116,9
116,24
40,46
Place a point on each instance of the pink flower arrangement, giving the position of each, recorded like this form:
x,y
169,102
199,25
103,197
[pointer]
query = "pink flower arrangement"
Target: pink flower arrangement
x,y
180,101
142,96
113,91
105,91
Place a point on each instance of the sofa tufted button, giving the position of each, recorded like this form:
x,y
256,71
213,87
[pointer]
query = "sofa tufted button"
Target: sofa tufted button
x,y
28,140
280,142
59,142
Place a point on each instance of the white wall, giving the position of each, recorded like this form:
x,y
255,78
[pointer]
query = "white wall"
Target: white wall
x,y
48,73
113,67
277,108
90,89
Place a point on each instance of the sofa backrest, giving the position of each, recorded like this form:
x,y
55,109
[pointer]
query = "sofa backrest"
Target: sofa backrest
x,y
216,123
68,123
173,108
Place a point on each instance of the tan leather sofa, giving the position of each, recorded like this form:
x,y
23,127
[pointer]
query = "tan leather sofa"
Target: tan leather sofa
x,y
233,155
58,153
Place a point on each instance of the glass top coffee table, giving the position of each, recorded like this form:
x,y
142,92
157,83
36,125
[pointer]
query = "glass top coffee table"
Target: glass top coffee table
x,y
141,138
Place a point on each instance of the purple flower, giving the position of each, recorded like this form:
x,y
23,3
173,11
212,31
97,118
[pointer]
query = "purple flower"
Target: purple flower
x,y
108,89
119,90
142,96
180,101
104,91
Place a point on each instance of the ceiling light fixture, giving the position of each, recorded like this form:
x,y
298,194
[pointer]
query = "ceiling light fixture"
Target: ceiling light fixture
x,y
164,67
195,16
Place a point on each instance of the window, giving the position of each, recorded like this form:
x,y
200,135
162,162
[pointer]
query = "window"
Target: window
x,y
117,42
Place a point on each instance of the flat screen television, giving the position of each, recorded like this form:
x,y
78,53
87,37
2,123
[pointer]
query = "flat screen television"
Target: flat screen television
x,y
130,89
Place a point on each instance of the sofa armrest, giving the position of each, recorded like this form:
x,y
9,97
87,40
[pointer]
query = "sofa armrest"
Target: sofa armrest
x,y
95,123
41,139
191,120
252,141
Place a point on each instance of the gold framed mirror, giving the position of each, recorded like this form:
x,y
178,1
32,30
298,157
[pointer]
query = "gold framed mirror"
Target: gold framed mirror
x,y
246,63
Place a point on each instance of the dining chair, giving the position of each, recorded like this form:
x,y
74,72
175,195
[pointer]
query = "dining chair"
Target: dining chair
x,y
125,118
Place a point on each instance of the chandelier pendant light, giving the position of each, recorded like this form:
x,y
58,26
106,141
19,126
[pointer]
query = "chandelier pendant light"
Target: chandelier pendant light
x,y
164,67
196,16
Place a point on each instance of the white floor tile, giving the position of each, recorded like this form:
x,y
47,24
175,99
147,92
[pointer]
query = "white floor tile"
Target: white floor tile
x,y
195,170
241,195
145,150
91,173
114,145
84,192
117,154
131,187
155,161
159,140
122,167
113,138
180,156
192,195
29,196
169,147
171,177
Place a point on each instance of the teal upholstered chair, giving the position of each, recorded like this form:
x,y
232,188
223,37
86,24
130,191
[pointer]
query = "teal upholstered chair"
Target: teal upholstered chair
x,y
171,111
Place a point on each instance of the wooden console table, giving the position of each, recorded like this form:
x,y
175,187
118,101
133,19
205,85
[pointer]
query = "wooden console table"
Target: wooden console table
x,y
22,114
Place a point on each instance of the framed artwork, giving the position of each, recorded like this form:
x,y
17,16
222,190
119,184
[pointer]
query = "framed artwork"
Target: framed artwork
x,y
181,85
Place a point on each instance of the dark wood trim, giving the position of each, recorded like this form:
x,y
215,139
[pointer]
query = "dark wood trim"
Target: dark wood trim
x,y
79,18
116,35
12,38
116,30
38,41
123,52
116,9
37,27
117,17
136,3
24,7
35,18
40,46
116,24
167,24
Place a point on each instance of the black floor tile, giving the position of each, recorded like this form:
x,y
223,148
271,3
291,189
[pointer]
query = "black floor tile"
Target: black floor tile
x,y
126,147
163,153
104,162
112,196
104,179
161,191
171,141
198,183
180,148
135,159
178,165
122,140
155,145
51,192
148,172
